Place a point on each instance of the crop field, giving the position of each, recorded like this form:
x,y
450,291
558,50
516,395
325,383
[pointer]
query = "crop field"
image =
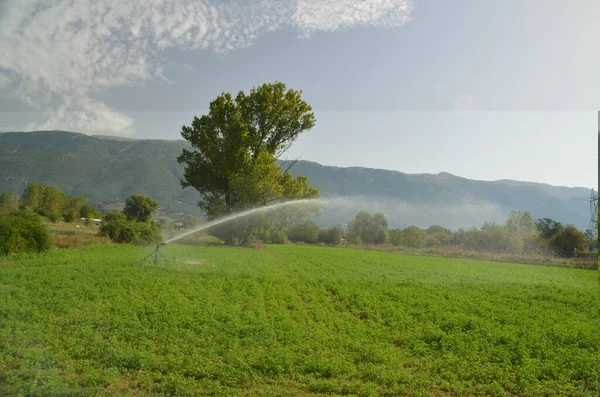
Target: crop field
x,y
293,321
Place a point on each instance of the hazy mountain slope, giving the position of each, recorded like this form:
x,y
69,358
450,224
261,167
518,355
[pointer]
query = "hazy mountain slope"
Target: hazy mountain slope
x,y
107,170
104,170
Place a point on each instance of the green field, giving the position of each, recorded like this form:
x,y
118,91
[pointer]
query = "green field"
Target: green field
x,y
293,320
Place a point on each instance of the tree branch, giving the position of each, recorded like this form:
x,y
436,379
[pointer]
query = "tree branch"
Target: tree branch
x,y
293,163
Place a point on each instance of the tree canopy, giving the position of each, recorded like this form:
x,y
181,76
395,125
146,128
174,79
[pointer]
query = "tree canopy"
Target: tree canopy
x,y
235,147
368,228
140,208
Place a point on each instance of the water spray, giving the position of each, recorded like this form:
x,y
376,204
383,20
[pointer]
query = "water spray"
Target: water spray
x,y
231,217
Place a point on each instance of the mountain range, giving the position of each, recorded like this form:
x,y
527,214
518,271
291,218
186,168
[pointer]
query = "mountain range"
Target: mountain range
x,y
106,170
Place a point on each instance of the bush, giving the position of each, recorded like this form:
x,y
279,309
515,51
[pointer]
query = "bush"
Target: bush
x,y
331,236
122,230
307,232
569,239
23,231
279,237
432,241
411,237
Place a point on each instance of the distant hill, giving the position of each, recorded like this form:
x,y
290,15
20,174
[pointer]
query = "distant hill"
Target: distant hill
x,y
106,170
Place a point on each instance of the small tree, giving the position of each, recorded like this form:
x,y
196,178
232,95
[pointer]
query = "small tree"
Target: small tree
x,y
435,229
140,208
412,237
569,239
89,212
548,228
72,207
331,236
119,229
368,228
522,223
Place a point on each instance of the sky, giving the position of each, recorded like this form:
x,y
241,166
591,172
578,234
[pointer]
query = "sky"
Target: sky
x,y
486,90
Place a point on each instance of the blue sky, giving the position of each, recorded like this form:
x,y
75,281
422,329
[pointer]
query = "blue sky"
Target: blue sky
x,y
482,89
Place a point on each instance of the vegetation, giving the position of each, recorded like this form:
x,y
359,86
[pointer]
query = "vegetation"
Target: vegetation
x,y
49,202
22,231
134,225
293,320
568,240
140,208
368,228
8,202
235,147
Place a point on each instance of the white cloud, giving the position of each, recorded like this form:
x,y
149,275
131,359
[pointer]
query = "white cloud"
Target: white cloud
x,y
71,50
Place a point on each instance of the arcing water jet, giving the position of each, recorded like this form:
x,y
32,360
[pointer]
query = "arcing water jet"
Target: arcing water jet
x,y
241,214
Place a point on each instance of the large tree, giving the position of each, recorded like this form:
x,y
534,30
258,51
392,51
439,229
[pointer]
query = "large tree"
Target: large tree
x,y
235,146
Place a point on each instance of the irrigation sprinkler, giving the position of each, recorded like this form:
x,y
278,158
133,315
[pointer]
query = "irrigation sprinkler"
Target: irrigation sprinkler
x,y
156,254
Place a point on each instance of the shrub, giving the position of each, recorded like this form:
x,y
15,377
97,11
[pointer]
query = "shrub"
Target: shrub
x,y
307,232
122,230
331,236
8,202
432,241
412,237
569,239
23,231
279,237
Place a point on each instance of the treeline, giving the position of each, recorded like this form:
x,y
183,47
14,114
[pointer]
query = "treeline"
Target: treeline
x,y
520,234
47,201
21,227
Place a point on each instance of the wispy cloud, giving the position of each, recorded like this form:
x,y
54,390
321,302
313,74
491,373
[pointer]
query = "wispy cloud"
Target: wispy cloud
x,y
58,56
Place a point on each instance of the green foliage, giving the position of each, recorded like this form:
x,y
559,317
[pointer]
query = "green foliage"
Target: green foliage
x,y
293,321
89,212
235,146
122,230
72,208
569,239
136,227
437,229
140,208
548,228
496,238
521,223
411,237
368,228
8,202
279,237
23,231
331,236
49,202
306,231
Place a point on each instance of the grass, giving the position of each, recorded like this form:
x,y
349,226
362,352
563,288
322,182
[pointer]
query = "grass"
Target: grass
x,y
293,320
588,260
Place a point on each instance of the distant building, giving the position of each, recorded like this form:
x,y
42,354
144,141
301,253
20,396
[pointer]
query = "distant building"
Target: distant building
x,y
96,222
